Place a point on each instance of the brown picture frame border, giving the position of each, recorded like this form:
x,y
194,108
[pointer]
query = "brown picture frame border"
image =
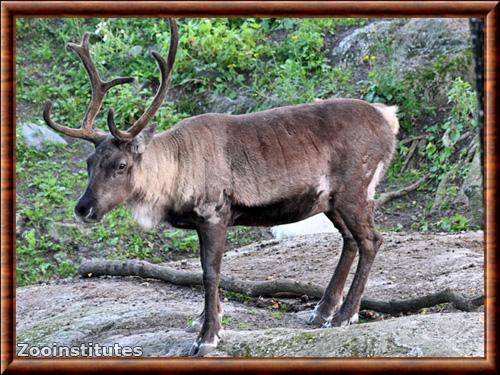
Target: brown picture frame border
x,y
488,10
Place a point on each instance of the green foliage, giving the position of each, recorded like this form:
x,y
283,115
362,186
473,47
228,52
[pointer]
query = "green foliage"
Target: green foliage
x,y
277,315
226,320
296,70
215,57
454,223
385,85
464,101
183,240
67,269
283,307
444,157
235,296
240,236
137,247
32,265
444,136
439,148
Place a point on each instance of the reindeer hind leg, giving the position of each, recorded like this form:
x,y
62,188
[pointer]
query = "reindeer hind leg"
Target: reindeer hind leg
x,y
358,216
332,297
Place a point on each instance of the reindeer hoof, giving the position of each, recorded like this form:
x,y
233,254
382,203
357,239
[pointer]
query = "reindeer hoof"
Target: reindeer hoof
x,y
206,342
320,319
340,321
316,319
201,348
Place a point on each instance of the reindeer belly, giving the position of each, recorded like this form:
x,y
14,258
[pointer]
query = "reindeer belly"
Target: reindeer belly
x,y
282,211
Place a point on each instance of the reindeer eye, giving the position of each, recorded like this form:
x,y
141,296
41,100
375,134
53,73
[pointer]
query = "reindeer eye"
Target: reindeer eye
x,y
121,166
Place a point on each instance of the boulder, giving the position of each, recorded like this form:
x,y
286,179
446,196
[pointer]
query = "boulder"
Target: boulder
x,y
351,50
470,194
135,51
36,136
421,41
448,335
445,192
222,104
152,316
434,48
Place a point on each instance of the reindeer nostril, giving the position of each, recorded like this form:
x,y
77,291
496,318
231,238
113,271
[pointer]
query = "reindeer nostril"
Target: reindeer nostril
x,y
82,210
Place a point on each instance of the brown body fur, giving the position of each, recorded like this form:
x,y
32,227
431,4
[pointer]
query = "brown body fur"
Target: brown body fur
x,y
276,166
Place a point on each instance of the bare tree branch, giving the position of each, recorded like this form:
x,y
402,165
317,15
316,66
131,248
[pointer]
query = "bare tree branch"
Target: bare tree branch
x,y
275,288
411,152
411,139
389,196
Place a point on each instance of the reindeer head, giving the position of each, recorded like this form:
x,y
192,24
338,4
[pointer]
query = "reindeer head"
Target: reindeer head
x,y
111,166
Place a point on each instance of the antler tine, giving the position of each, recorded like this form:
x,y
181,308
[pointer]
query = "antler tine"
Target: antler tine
x,y
165,70
93,136
98,88
112,126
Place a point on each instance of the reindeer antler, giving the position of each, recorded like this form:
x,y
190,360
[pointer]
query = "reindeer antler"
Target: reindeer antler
x,y
99,89
165,70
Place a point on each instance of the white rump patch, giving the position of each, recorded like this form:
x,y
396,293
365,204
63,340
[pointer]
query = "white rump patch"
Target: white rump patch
x,y
389,114
373,183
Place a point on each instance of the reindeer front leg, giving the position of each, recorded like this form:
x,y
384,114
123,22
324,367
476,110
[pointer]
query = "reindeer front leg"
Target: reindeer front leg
x,y
212,238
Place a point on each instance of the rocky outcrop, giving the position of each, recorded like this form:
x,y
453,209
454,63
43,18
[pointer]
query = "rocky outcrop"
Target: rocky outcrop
x,y
434,48
447,335
470,194
421,41
36,136
153,314
351,51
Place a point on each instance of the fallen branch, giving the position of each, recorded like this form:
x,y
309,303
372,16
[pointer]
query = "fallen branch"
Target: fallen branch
x,y
414,138
415,304
275,288
387,197
409,156
464,136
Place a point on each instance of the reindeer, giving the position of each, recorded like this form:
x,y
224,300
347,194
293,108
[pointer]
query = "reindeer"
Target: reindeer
x,y
213,171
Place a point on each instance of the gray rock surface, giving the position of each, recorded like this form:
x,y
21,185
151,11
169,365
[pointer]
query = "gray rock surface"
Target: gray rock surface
x,y
350,50
422,40
416,44
152,314
135,51
222,104
446,335
35,136
471,191
445,192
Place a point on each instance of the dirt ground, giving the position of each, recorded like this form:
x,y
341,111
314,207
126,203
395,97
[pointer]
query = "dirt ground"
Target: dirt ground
x,y
134,311
407,265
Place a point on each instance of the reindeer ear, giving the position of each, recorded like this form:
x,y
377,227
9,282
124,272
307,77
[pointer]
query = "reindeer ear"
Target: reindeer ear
x,y
142,140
